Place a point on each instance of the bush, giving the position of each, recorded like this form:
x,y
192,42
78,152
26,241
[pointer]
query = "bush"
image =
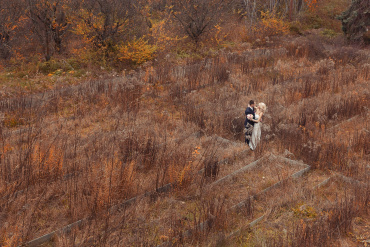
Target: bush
x,y
356,19
136,52
49,67
294,29
270,25
59,66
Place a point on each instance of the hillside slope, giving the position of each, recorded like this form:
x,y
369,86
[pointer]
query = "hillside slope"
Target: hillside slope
x,y
157,157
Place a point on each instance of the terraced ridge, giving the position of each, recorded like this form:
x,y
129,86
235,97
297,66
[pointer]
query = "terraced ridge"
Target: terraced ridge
x,y
260,176
231,151
243,187
323,204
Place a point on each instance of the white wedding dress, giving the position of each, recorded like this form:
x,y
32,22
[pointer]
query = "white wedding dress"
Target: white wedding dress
x,y
256,134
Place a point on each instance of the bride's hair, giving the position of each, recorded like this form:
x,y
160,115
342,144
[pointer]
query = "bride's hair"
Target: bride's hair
x,y
262,106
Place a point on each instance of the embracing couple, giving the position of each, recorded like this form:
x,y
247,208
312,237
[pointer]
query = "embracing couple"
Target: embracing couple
x,y
253,123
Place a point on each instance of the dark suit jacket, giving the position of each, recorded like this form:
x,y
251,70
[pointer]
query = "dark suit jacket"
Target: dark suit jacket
x,y
249,111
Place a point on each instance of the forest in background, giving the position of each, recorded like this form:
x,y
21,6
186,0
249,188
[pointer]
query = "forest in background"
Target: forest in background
x,y
43,40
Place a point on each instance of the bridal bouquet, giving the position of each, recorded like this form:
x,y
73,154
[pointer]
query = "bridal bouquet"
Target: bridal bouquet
x,y
249,116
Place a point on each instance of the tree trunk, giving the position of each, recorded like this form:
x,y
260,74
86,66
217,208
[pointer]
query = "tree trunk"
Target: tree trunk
x,y
4,46
47,45
58,45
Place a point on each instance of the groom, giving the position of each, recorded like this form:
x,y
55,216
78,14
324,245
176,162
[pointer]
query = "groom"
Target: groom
x,y
248,123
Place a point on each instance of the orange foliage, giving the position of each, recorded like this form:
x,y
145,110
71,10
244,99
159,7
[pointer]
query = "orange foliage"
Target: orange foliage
x,y
220,35
137,51
273,25
162,36
270,25
6,240
312,5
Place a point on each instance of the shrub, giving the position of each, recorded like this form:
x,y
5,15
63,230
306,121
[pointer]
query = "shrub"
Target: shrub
x,y
272,25
295,29
59,66
12,121
136,52
304,211
49,66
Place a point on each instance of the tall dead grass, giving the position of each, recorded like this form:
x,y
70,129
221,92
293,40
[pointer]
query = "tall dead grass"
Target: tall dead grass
x,y
84,149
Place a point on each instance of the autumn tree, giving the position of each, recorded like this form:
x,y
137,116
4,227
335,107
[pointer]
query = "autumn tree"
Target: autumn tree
x,y
103,22
50,23
197,17
10,14
156,22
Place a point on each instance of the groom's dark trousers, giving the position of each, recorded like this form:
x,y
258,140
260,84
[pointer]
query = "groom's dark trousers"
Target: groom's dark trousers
x,y
248,124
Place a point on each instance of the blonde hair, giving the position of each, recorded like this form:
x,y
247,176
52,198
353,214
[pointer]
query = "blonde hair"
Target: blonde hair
x,y
262,107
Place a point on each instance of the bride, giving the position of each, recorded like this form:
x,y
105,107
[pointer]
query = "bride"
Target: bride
x,y
256,134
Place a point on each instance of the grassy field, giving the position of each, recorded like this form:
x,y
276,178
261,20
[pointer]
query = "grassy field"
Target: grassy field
x,y
165,134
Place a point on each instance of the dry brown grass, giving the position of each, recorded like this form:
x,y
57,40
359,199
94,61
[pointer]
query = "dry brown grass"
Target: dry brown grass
x,y
79,151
